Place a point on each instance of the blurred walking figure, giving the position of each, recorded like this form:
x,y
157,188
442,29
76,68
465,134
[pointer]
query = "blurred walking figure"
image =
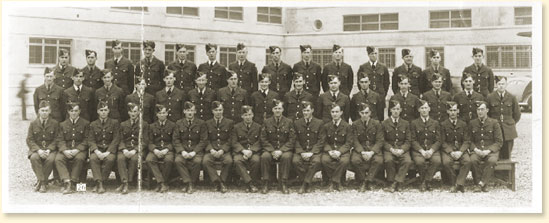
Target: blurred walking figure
x,y
22,94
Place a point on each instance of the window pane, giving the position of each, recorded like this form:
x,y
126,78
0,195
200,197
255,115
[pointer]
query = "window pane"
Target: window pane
x,y
389,17
126,53
50,54
262,18
190,56
235,15
35,40
276,19
135,55
461,23
523,11
370,27
193,11
523,21
263,10
523,60
35,54
169,56
64,42
173,10
51,41
221,14
492,59
351,27
235,9
351,19
440,15
370,18
389,26
276,11
170,47
439,24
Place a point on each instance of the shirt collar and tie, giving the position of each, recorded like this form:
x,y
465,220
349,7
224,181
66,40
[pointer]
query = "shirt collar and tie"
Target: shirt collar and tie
x,y
218,121
103,121
117,59
425,120
74,121
395,121
404,94
336,122
78,89
334,94
501,95
169,90
212,63
373,64
454,122
43,122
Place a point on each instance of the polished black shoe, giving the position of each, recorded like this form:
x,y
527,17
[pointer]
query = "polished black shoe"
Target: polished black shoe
x,y
222,187
190,188
68,188
265,188
367,186
163,187
484,188
337,187
119,188
461,188
285,189
477,189
428,185
252,188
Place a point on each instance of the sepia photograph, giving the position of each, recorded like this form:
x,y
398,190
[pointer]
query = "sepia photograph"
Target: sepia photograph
x,y
271,107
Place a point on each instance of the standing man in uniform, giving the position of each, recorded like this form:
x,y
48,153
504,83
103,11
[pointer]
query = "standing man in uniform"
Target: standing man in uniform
x,y
281,72
139,95
171,97
51,93
482,75
73,147
377,72
42,139
216,73
325,101
246,146
311,71
339,68
122,68
437,99
486,142
372,98
467,99
504,108
435,68
409,69
190,138
202,97
396,147
151,68
367,155
262,100
277,141
292,100
92,73
161,147
113,96
82,95
409,102
185,69
246,70
63,72
232,97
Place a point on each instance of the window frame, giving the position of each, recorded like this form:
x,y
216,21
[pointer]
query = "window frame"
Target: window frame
x,y
144,9
269,15
361,23
228,10
170,48
387,51
182,13
322,56
450,19
522,16
501,53
58,45
230,51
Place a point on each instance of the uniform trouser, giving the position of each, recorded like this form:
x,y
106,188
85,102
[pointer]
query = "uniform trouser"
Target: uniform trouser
x,y
335,168
426,171
61,162
506,149
307,169
362,166
160,175
464,167
127,167
209,163
42,167
485,172
189,169
252,164
404,162
285,165
101,169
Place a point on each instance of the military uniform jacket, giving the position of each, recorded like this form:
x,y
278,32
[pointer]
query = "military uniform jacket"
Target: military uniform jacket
x,y
246,138
425,135
129,136
506,112
148,105
47,137
292,103
437,104
312,75
63,77
415,77
202,102
74,135
345,74
160,137
85,99
428,74
173,102
308,136
217,75
262,106
185,74
192,137
247,75
152,72
92,77
279,136
338,138
467,105
324,103
115,99
368,137
455,138
54,96
484,78
104,137
281,78
122,73
397,136
232,103
379,78
373,99
409,106
219,136
485,135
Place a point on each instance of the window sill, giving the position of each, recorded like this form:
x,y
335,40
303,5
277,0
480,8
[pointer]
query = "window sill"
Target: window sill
x,y
129,11
269,24
182,16
228,20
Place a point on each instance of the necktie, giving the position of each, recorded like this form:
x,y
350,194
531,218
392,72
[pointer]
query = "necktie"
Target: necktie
x,y
436,70
102,122
365,93
190,122
264,94
338,66
501,97
200,93
181,63
47,88
335,125
437,94
78,91
365,125
276,65
232,91
91,69
307,122
373,66
115,61
307,64
43,123
211,64
454,123
298,93
277,121
334,96
169,91
469,94
217,123
395,122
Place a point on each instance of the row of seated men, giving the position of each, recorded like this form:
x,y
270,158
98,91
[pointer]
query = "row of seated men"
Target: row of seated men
x,y
307,145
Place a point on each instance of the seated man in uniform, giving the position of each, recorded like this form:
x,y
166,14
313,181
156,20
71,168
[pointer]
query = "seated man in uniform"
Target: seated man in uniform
x,y
161,147
246,146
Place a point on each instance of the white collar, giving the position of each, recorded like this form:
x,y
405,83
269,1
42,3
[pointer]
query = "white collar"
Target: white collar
x,y
212,62
43,120
337,122
118,58
425,119
169,88
266,91
181,61
374,63
502,94
162,123
77,87
74,121
335,93
218,120
394,120
201,91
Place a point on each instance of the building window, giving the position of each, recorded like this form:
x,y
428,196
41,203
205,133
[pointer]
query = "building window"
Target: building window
x,y
227,55
230,13
501,57
387,57
370,22
428,55
130,50
190,11
171,54
269,15
322,56
139,9
450,19
523,15
44,50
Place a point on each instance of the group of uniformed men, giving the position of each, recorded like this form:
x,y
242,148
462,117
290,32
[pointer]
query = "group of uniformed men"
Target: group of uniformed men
x,y
211,117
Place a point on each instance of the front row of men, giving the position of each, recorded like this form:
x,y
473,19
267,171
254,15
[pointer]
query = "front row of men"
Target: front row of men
x,y
307,145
